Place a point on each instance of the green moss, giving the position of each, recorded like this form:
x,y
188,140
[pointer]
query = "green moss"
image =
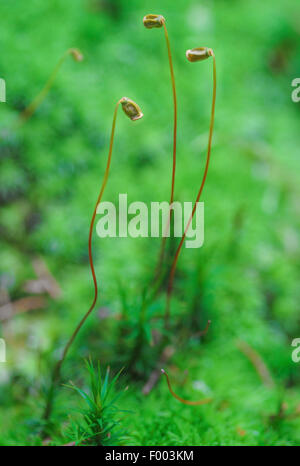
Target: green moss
x,y
245,278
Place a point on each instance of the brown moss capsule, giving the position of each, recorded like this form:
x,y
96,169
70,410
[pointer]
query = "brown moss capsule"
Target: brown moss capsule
x,y
76,54
198,54
153,21
131,109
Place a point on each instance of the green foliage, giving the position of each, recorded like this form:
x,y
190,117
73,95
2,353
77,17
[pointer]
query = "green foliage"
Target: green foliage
x,y
246,276
100,423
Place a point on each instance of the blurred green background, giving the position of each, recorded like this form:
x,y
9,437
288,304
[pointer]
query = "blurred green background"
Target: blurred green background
x,y
246,276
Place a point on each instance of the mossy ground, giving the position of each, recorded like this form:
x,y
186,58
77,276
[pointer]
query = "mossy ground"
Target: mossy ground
x,y
246,276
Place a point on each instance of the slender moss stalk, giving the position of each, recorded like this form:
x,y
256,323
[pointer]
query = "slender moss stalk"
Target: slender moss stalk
x,y
186,402
194,55
31,108
157,21
258,363
133,111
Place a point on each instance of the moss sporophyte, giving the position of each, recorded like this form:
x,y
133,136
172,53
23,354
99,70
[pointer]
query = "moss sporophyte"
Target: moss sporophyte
x,y
194,55
158,21
27,113
133,111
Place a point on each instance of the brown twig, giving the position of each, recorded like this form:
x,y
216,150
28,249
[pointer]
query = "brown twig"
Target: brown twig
x,y
30,303
257,363
45,283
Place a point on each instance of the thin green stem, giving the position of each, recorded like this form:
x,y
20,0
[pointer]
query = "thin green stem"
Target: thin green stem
x,y
174,263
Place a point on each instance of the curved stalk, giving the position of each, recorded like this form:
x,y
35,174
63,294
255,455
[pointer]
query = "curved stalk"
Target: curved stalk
x,y
31,108
186,402
134,113
174,263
